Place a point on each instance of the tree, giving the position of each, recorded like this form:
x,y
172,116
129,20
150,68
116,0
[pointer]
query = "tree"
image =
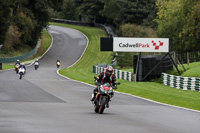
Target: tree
x,y
130,11
70,10
23,20
91,9
4,19
179,20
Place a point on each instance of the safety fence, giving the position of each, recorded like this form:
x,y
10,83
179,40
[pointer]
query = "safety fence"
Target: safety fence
x,y
21,57
184,83
189,57
118,73
107,28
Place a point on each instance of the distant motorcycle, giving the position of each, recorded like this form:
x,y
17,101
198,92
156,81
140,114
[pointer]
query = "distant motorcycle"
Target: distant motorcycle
x,y
58,64
21,72
36,65
103,96
16,68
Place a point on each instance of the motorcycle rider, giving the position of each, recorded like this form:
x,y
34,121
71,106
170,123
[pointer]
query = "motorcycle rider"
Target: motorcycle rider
x,y
17,62
16,66
58,62
22,66
36,61
106,76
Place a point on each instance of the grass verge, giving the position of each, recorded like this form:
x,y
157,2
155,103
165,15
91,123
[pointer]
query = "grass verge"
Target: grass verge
x,y
82,71
44,45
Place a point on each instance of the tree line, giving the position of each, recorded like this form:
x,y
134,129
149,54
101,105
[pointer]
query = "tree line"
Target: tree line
x,y
22,20
178,20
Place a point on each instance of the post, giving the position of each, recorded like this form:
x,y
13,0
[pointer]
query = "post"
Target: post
x,y
1,66
174,63
136,71
188,60
175,58
180,64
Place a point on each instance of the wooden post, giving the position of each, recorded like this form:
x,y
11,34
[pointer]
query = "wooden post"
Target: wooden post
x,y
137,67
188,58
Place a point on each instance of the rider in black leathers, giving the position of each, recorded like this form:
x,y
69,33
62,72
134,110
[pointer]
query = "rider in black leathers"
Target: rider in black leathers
x,y
106,76
17,62
22,66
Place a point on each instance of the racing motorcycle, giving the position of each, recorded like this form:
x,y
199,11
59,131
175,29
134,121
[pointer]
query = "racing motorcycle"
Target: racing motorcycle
x,y
58,64
103,96
16,68
36,65
21,72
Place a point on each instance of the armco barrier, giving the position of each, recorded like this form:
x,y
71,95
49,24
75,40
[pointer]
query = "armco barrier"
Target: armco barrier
x,y
107,28
184,83
21,57
118,73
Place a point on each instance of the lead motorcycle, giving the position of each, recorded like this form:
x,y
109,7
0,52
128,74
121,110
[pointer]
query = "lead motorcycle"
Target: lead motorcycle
x,y
103,96
21,72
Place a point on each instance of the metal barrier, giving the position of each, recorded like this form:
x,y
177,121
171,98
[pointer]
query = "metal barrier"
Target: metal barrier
x,y
1,66
118,73
107,28
178,82
21,57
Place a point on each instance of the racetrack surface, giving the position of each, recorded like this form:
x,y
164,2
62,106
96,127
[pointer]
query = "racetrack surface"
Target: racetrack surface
x,y
44,102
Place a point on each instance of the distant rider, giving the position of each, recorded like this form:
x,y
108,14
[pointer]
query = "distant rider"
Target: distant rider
x,y
58,63
36,62
17,62
22,66
105,77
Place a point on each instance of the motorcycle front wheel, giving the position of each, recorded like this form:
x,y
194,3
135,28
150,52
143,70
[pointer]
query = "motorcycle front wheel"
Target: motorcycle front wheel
x,y
16,70
96,106
20,76
103,104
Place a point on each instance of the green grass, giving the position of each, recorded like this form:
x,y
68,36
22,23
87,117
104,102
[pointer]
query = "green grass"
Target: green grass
x,y
7,66
193,70
45,44
82,71
92,55
11,52
127,69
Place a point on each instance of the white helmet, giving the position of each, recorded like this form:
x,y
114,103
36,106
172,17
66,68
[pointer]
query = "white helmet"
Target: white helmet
x,y
18,60
109,71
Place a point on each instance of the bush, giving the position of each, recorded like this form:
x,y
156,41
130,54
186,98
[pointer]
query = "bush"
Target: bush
x,y
132,30
125,59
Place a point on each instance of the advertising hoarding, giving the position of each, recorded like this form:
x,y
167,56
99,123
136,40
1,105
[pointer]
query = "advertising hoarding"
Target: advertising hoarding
x,y
121,44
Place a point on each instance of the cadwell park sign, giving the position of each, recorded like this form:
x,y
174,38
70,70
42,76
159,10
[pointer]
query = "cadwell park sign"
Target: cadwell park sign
x,y
125,44
143,65
121,44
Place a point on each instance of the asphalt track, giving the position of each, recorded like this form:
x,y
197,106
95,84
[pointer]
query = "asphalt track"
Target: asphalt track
x,y
44,102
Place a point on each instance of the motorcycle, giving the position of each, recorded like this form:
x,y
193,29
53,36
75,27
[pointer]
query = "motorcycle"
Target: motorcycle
x,y
16,68
36,65
58,64
21,72
103,96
